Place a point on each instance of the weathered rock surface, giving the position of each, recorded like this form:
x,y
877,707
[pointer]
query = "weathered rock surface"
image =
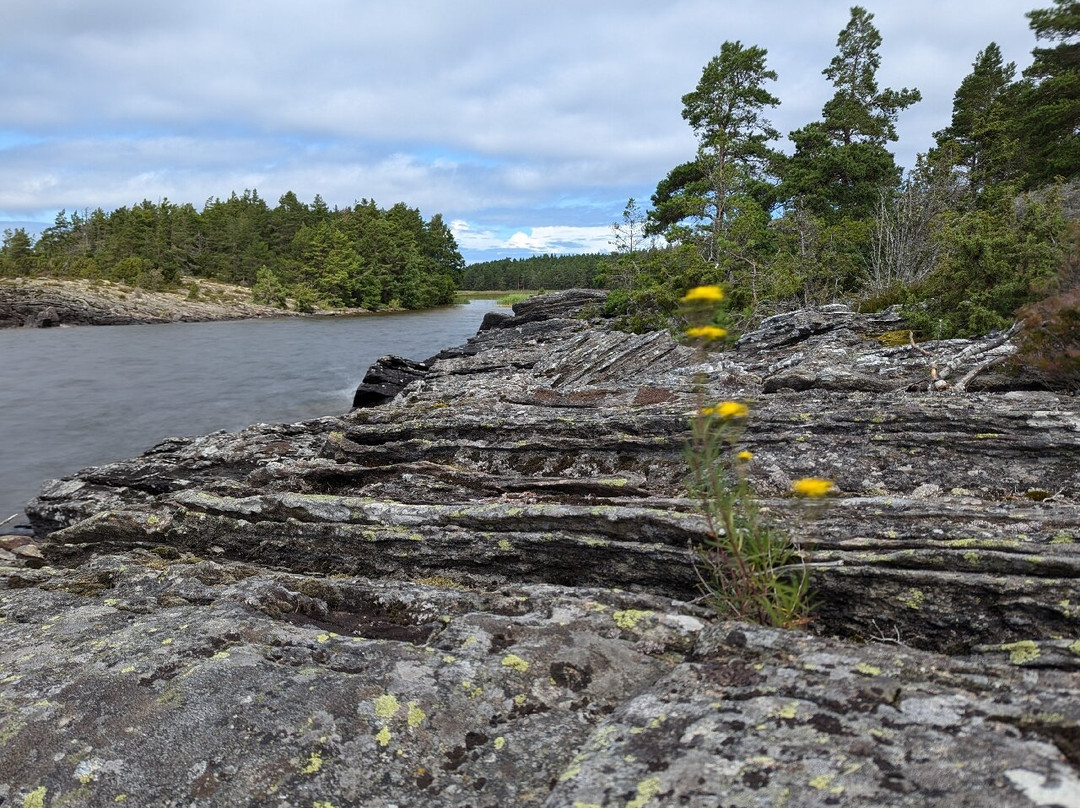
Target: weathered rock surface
x,y
45,303
480,592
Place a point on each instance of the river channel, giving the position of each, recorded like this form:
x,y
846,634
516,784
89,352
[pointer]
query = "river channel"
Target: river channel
x,y
76,397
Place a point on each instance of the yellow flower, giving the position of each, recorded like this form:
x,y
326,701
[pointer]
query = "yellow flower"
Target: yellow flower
x,y
812,487
706,332
728,409
745,455
704,294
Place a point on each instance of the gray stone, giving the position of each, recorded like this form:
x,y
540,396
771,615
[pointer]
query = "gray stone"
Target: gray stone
x,y
481,592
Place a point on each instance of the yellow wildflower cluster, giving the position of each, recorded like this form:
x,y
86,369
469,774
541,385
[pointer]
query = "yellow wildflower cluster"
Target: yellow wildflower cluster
x,y
745,456
727,409
710,332
812,487
704,294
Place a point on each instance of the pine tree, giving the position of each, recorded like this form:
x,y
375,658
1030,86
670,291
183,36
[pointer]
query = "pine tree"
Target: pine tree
x,y
1049,101
979,140
727,113
841,162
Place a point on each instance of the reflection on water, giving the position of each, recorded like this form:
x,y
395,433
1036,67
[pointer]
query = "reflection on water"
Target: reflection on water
x,y
75,397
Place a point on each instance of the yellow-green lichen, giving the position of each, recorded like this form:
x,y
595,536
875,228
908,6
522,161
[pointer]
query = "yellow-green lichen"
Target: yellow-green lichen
x,y
628,619
1069,609
913,599
788,710
36,798
515,662
386,706
573,770
867,669
821,782
646,790
415,716
1021,652
383,736
314,764
1075,648
504,544
500,742
323,638
322,804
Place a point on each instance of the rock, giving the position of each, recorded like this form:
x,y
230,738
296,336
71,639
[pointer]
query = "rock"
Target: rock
x,y
29,554
48,302
385,379
481,592
493,319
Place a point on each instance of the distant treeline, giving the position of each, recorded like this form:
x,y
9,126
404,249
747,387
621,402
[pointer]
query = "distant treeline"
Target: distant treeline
x,y
357,256
538,272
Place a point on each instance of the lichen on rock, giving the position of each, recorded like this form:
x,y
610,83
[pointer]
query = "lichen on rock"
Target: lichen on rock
x,y
481,591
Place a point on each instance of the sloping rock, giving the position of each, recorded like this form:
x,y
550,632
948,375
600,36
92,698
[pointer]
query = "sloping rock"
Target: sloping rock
x,y
480,592
48,302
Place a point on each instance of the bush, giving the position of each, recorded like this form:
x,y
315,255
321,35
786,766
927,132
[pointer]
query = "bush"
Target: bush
x,y
1050,342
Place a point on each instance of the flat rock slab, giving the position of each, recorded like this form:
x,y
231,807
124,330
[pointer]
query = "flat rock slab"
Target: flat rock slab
x,y
181,681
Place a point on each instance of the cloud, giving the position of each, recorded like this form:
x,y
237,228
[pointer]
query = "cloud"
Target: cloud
x,y
559,240
526,123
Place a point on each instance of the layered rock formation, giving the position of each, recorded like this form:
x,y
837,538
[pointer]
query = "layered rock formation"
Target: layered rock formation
x,y
482,592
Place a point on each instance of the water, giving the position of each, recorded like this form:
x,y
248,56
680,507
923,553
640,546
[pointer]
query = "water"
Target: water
x,y
77,397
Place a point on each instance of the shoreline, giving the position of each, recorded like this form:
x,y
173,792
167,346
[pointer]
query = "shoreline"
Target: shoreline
x,y
52,302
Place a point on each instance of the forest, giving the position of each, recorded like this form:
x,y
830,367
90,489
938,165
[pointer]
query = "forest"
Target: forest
x,y
983,225
584,271
361,256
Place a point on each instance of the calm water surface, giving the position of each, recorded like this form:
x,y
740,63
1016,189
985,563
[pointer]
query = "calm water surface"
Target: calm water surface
x,y
76,397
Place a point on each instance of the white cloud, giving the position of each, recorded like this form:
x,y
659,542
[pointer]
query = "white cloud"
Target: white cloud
x,y
529,123
545,239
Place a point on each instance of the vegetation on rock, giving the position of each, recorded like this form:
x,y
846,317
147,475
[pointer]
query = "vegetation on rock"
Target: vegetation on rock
x,y
986,222
361,256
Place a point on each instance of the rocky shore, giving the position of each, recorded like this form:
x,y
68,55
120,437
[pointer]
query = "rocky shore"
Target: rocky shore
x,y
50,302
477,588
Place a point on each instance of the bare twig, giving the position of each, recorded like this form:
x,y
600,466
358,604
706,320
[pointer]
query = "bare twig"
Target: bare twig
x,y
13,516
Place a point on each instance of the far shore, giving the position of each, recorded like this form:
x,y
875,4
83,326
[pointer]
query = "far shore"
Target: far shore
x,y
46,302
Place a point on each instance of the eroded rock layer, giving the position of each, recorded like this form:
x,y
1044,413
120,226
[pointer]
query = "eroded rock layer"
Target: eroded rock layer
x,y
481,592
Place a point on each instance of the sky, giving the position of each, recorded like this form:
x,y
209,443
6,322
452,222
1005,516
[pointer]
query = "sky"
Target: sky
x,y
527,125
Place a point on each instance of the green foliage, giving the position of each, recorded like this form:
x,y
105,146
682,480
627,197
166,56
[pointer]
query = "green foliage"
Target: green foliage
x,y
1048,101
536,272
359,256
694,203
841,164
997,258
979,139
511,299
17,255
956,241
749,568
267,290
